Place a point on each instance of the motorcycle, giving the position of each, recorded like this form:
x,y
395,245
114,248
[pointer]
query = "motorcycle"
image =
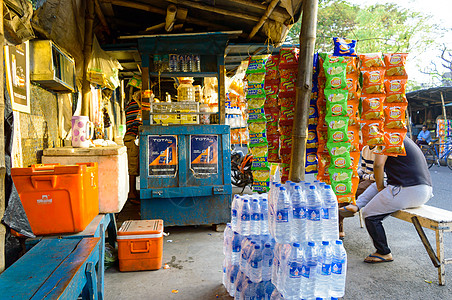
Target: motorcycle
x,y
241,175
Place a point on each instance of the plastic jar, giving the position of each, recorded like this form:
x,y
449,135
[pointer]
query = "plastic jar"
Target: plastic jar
x,y
186,90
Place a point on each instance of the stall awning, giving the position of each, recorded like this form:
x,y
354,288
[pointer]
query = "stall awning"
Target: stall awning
x,y
430,97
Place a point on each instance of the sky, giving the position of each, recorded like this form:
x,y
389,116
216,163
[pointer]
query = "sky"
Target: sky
x,y
441,12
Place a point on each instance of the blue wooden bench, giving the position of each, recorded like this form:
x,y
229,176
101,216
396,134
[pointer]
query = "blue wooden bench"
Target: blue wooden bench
x,y
54,269
101,223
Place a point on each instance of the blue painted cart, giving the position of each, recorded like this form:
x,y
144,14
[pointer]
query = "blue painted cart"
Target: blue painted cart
x,y
185,170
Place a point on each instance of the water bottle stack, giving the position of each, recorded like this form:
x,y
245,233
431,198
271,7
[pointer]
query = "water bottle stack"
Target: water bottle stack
x,y
248,249
309,260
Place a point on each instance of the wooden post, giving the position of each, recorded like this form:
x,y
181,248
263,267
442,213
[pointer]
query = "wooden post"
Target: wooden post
x,y
444,108
89,20
408,120
2,144
303,90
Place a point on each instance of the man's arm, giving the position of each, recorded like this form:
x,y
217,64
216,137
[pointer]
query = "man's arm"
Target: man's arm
x,y
379,171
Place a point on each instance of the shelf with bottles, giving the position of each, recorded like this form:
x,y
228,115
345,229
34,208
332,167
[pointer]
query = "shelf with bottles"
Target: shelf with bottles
x,y
183,65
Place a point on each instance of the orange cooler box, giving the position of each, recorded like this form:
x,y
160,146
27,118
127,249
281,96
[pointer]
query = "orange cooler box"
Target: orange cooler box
x,y
140,245
58,199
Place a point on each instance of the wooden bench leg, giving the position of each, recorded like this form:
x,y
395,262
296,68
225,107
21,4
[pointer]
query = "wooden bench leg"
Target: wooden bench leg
x,y
440,255
436,262
90,290
101,264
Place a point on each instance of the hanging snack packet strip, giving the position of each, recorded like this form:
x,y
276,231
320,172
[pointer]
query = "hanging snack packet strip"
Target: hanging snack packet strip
x,y
271,68
311,161
334,68
288,58
371,60
393,139
394,114
395,64
372,131
372,106
373,80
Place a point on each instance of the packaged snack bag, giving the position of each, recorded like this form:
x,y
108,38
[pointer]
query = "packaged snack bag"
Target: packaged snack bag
x,y
286,144
323,160
372,131
395,115
347,198
352,64
257,64
354,96
341,161
288,58
395,64
311,161
371,60
287,115
256,114
257,139
261,180
235,136
271,88
337,128
340,175
257,127
372,106
395,86
273,148
271,101
322,148
272,116
393,139
353,138
344,47
354,157
335,96
373,80
285,158
286,130
253,78
322,135
336,109
321,100
341,188
258,102
259,163
287,83
287,102
259,151
313,113
338,149
321,71
271,68
352,82
312,140
255,90
352,113
334,68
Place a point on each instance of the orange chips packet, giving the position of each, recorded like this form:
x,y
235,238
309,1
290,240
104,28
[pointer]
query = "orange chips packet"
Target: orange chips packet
x,y
372,131
395,64
352,82
354,156
322,134
322,148
373,79
323,160
371,60
393,142
395,89
352,64
352,112
353,138
354,95
347,198
395,115
372,106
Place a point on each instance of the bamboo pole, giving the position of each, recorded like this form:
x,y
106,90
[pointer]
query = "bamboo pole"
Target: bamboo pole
x,y
444,107
89,20
303,90
264,18
2,144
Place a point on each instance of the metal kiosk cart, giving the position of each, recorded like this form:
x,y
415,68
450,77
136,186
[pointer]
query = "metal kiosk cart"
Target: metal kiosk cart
x,y
185,170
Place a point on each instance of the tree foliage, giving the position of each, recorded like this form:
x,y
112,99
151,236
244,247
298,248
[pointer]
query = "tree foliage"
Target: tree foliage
x,y
378,28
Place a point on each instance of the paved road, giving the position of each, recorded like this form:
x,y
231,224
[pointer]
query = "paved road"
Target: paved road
x,y
194,255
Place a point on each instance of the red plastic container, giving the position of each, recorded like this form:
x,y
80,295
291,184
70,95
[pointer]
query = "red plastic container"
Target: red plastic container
x,y
58,199
140,245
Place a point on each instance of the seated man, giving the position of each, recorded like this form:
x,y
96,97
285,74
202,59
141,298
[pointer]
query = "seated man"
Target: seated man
x,y
408,185
423,138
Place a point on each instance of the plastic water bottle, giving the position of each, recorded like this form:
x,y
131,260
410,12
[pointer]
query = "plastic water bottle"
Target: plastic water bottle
x,y
225,276
330,223
260,291
267,262
314,224
246,251
284,256
255,265
299,215
255,222
276,262
308,271
272,208
227,240
245,218
291,189
283,217
235,207
323,280
233,279
264,217
276,295
269,288
249,290
236,248
338,270
239,286
292,274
